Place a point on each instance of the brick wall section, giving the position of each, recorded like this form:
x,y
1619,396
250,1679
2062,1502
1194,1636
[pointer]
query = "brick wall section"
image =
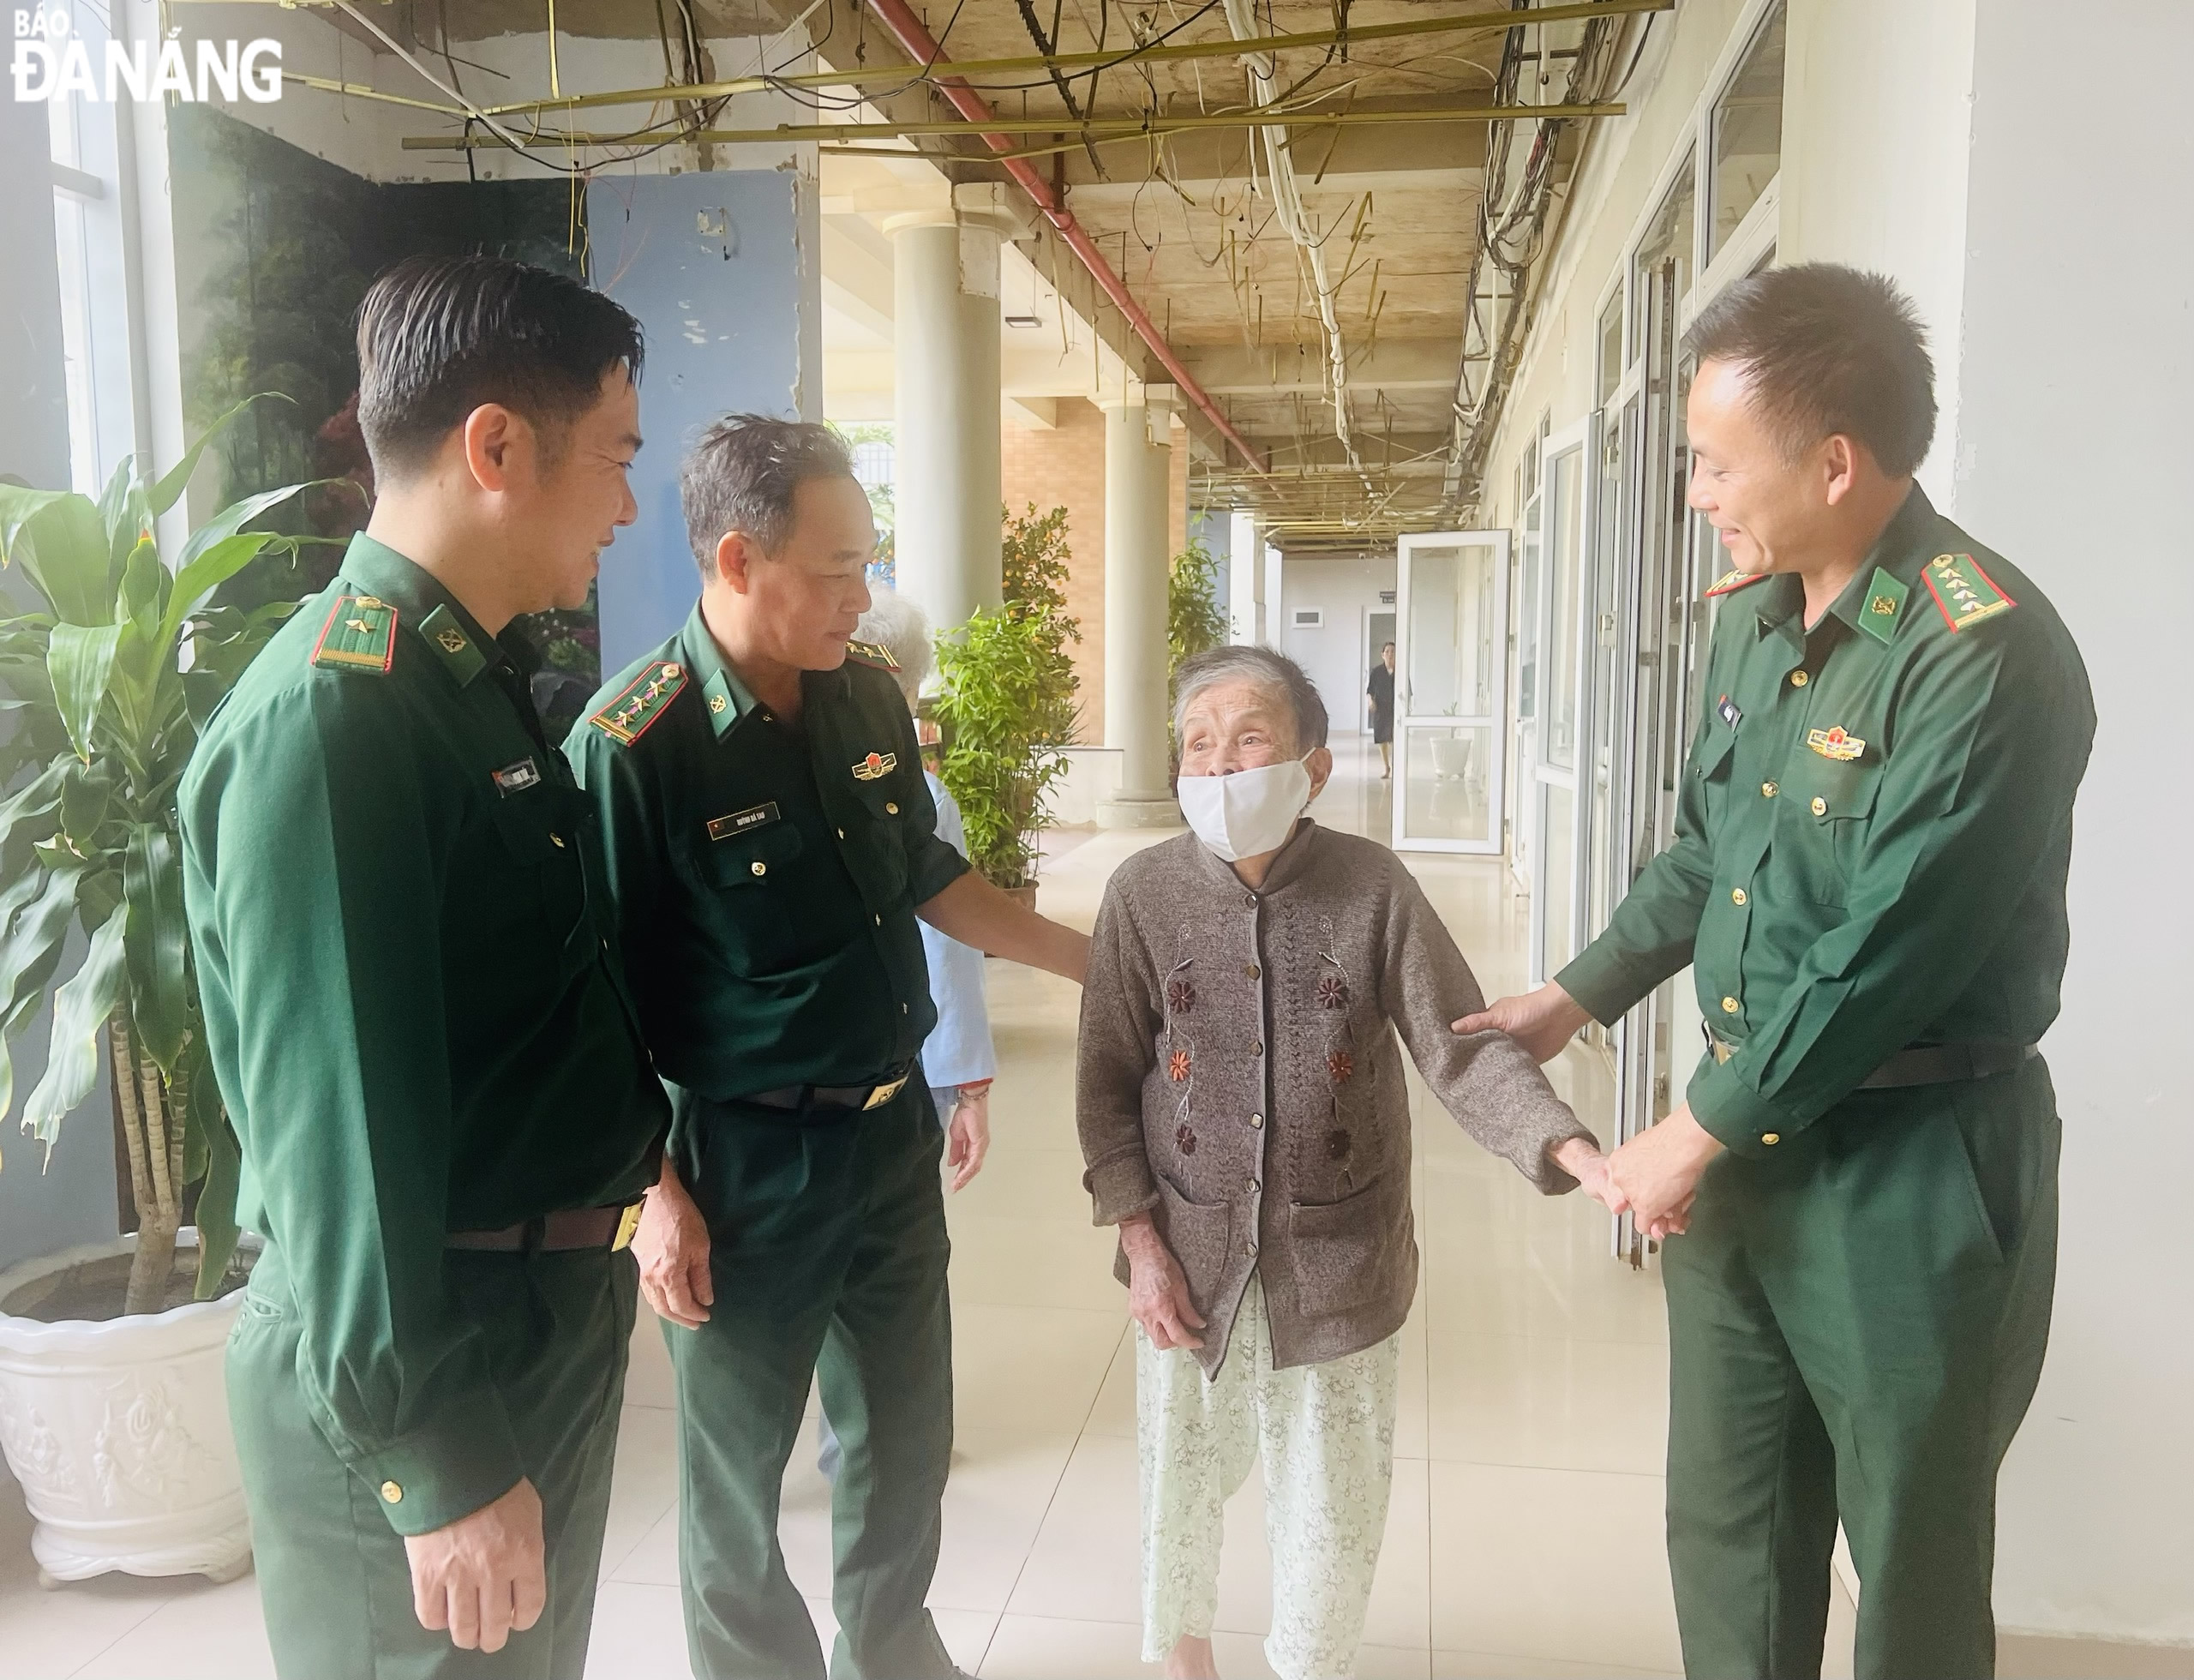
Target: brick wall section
x,y
1065,467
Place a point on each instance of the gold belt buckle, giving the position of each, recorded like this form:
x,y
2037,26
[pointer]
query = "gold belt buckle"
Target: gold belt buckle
x,y
883,1094
628,1223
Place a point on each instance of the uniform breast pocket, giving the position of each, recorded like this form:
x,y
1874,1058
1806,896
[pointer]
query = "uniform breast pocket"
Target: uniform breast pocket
x,y
886,803
1826,820
755,861
1710,764
544,830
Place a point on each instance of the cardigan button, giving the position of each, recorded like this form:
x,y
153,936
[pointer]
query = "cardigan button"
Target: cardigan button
x,y
1251,970
1250,1249
1256,1121
1250,899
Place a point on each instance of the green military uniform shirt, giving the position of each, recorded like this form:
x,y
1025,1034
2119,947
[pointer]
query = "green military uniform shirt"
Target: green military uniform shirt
x,y
412,1003
765,877
1874,831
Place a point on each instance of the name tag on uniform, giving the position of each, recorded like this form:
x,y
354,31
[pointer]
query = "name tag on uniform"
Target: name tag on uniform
x,y
722,828
1729,711
517,777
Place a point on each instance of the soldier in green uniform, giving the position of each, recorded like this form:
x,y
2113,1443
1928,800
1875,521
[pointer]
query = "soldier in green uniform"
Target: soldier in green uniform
x,y
771,842
417,1020
1868,880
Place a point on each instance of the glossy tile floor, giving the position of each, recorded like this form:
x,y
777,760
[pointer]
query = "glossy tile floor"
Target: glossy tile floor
x,y
1526,1533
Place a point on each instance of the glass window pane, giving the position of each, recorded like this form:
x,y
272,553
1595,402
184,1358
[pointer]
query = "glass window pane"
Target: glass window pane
x,y
1670,237
1748,132
1557,943
1611,346
1527,653
1452,641
1564,548
1446,767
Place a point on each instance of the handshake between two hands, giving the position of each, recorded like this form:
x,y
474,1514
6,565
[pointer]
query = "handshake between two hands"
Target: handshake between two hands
x,y
1654,1176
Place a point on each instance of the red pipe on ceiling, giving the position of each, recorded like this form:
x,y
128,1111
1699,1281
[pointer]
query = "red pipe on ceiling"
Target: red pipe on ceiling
x,y
919,45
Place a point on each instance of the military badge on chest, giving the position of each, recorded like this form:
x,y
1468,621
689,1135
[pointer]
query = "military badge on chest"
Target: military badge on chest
x,y
875,767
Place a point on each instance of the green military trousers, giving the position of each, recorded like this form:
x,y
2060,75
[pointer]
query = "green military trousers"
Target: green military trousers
x,y
333,1577
1855,1329
828,1250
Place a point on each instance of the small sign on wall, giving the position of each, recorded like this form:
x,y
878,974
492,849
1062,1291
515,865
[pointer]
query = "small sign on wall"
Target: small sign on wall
x,y
1308,618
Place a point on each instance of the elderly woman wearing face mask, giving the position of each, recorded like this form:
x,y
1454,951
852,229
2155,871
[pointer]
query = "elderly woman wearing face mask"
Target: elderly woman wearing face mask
x,y
1243,1116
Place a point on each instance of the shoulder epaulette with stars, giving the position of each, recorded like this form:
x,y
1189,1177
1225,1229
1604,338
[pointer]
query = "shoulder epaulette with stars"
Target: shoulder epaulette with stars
x,y
1731,582
360,635
871,653
634,712
1965,594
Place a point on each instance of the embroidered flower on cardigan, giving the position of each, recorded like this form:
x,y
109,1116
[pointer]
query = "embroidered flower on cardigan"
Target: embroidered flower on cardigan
x,y
1333,992
1176,1067
1185,1141
1340,1065
1180,996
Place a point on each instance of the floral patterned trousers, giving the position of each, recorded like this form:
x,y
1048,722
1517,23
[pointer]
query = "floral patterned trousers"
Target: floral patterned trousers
x,y
1326,1435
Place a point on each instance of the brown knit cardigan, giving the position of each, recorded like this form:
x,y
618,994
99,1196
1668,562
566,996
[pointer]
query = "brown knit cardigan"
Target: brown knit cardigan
x,y
1239,1077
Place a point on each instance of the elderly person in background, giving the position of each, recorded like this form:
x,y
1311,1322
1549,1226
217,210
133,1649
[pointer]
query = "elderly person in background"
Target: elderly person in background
x,y
1243,1115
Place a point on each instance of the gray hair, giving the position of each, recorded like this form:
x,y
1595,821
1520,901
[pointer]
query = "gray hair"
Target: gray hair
x,y
1280,678
896,623
742,474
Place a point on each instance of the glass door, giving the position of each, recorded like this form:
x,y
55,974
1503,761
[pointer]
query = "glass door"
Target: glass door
x,y
1556,809
1451,669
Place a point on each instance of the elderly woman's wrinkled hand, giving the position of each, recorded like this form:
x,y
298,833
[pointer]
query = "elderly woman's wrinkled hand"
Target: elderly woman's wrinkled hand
x,y
1158,1290
1583,1163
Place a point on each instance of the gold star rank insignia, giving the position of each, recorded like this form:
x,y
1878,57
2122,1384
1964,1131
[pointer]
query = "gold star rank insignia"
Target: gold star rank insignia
x,y
1965,594
649,695
360,635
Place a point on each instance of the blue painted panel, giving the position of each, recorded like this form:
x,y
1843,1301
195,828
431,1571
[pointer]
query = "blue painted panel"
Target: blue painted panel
x,y
711,265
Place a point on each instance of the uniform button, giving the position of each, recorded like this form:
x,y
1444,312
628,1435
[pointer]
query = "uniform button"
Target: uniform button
x,y
1728,1006
1767,791
1251,970
1256,1120
391,1492
559,840
878,921
1820,808
903,1009
672,672
890,809
1737,896
1800,679
759,867
1771,1138
842,834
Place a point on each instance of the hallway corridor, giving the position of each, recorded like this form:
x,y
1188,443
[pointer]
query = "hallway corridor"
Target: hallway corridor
x,y
1525,1538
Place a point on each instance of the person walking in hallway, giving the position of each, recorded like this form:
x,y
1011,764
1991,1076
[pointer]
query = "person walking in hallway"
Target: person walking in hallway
x,y
1381,692
1860,1191
417,1021
1243,1111
771,843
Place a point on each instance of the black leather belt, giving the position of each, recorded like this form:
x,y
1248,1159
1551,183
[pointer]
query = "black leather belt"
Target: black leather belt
x,y
846,1098
574,1228
1929,1064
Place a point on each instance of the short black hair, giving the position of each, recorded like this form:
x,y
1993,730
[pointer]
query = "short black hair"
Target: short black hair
x,y
1268,669
742,473
438,336
1827,350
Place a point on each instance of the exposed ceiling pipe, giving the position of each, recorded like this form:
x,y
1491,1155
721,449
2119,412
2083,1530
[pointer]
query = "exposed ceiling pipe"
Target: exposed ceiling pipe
x,y
919,45
1287,205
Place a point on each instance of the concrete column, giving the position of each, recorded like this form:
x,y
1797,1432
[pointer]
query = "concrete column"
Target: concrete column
x,y
1275,620
1245,598
1137,463
946,469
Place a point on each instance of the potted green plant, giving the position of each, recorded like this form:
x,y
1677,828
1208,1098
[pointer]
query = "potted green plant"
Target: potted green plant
x,y
1007,710
112,1411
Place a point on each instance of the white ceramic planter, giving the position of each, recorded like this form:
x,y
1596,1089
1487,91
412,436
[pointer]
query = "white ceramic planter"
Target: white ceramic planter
x,y
119,1433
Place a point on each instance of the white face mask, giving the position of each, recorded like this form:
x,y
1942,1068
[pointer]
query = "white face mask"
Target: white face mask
x,y
1247,813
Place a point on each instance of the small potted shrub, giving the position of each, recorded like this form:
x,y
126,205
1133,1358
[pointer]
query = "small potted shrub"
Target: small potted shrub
x,y
112,1411
1007,710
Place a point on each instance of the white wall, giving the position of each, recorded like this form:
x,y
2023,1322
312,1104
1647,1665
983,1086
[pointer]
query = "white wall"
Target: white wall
x,y
1333,656
2078,345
